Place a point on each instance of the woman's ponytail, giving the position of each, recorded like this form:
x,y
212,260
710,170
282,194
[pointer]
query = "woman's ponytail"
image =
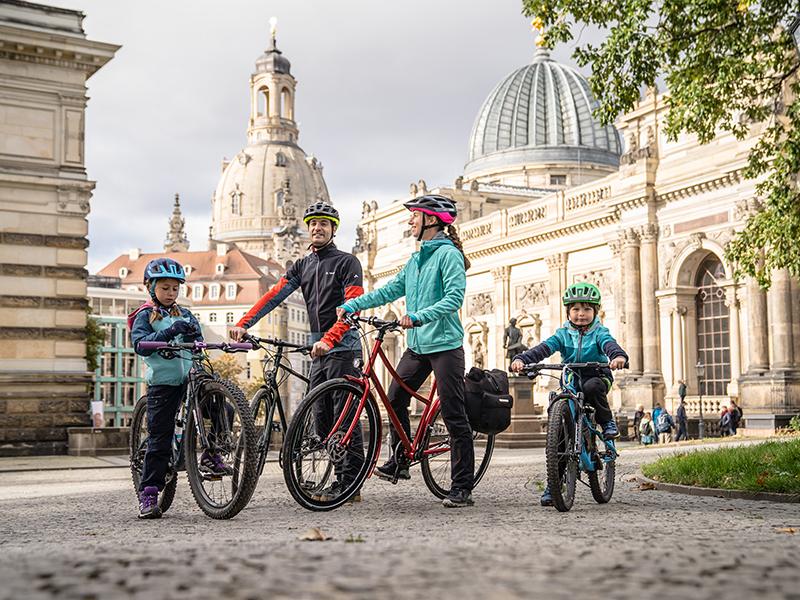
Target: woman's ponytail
x,y
452,234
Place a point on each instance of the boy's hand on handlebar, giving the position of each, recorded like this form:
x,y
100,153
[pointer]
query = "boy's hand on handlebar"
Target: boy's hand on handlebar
x,y
237,333
517,366
319,349
407,322
617,363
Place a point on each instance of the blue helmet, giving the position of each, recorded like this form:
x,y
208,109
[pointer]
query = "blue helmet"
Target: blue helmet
x,y
164,268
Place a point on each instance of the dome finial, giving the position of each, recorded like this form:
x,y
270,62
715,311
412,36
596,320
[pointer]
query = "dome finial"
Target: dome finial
x,y
273,29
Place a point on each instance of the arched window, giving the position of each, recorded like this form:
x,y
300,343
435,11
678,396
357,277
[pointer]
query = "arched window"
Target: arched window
x,y
280,159
263,102
287,111
713,332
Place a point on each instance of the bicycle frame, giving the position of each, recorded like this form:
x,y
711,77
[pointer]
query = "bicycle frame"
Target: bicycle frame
x,y
369,381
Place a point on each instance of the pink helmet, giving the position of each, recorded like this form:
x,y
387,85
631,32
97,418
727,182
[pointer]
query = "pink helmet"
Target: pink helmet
x,y
440,207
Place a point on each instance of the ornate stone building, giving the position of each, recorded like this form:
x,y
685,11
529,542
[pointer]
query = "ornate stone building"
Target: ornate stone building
x,y
45,61
549,197
264,189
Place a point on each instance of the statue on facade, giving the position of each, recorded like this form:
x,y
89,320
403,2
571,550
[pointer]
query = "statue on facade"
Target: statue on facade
x,y
512,340
477,353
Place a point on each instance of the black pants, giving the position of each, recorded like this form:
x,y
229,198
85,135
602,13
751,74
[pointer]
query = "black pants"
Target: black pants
x,y
448,368
163,402
595,391
682,434
324,368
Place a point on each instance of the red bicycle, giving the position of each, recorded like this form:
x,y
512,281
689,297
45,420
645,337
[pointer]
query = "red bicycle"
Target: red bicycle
x,y
319,444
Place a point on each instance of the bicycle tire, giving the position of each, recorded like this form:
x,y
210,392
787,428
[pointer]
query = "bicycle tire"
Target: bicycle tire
x,y
601,482
302,444
236,444
138,447
562,466
437,475
260,409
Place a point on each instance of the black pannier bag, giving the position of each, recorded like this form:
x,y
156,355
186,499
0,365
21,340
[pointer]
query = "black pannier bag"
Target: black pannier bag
x,y
488,401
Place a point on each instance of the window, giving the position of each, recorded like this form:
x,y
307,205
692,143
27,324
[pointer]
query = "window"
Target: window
x,y
280,159
220,268
213,291
197,292
558,180
188,269
229,318
123,272
212,317
183,290
713,334
230,291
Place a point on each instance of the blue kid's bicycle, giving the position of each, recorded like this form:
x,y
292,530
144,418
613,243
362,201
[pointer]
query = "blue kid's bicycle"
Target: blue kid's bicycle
x,y
574,443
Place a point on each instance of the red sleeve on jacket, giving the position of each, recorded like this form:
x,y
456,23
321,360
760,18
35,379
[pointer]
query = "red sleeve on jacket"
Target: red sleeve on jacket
x,y
335,333
267,302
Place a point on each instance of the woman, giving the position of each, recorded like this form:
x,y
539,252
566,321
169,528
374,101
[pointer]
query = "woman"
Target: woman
x,y
433,282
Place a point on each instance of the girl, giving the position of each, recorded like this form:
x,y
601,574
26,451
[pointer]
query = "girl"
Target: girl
x,y
433,282
162,320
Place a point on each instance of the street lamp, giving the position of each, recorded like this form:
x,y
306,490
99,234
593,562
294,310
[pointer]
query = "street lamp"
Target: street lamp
x,y
700,370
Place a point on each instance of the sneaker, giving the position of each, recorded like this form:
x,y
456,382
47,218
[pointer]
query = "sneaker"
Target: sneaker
x,y
390,471
610,430
214,465
333,491
458,499
148,503
546,499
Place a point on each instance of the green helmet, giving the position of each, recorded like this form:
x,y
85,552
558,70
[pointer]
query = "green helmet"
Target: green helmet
x,y
581,292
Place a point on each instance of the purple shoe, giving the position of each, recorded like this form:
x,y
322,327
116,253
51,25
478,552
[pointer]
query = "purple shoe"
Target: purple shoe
x,y
148,503
213,464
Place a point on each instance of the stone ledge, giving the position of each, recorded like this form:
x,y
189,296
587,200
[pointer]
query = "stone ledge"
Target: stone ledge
x,y
691,490
98,441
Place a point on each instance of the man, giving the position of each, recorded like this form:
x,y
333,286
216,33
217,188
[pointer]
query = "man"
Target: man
x,y
682,389
664,426
328,278
637,421
656,411
683,422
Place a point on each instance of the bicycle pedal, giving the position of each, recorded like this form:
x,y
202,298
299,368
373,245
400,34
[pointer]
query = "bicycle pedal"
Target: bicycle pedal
x,y
211,477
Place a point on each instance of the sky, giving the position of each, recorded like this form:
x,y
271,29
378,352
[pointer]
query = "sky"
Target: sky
x,y
387,94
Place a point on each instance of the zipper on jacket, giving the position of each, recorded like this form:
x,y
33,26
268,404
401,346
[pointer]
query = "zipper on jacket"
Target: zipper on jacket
x,y
580,344
316,290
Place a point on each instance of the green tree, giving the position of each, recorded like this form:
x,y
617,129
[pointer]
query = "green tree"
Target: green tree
x,y
729,65
95,336
227,367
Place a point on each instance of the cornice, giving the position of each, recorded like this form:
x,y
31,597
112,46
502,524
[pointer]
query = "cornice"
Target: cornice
x,y
726,180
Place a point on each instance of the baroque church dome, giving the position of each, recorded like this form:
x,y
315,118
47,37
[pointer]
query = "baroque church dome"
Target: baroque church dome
x,y
541,115
260,198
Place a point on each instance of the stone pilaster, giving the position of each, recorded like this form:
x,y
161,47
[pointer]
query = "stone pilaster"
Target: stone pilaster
x,y
502,312
779,300
732,302
557,268
758,350
633,298
615,246
649,276
795,287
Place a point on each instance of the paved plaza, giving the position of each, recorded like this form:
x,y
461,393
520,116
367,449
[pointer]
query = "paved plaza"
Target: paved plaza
x,y
73,534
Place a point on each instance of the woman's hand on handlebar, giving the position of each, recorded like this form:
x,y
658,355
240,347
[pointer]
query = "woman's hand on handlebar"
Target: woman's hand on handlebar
x,y
517,366
237,333
407,322
341,313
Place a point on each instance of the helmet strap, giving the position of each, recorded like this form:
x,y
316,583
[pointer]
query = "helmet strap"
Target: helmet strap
x,y
438,224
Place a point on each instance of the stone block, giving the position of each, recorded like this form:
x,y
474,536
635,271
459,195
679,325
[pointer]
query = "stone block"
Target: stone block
x,y
90,441
70,287
30,286
79,404
20,349
28,255
71,419
70,318
76,226
27,317
36,421
20,406
54,405
20,435
51,434
71,257
70,349
10,421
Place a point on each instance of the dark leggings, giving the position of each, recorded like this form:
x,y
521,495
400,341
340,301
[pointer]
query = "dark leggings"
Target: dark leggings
x,y
595,390
448,368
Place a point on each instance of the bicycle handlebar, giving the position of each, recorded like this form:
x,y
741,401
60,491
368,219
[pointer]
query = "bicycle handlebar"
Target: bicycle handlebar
x,y
353,319
560,366
195,346
302,348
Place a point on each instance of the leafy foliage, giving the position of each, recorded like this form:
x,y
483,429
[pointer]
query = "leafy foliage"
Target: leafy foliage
x,y
95,336
228,367
730,66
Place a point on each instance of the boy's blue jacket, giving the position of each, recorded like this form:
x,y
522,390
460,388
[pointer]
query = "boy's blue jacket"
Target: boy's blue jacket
x,y
593,344
433,282
160,371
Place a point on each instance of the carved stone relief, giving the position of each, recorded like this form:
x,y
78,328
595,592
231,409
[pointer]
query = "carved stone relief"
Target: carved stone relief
x,y
530,295
480,304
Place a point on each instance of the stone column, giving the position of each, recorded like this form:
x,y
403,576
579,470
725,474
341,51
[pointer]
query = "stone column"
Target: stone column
x,y
502,313
732,302
758,351
557,267
795,286
649,277
779,299
618,290
678,346
633,298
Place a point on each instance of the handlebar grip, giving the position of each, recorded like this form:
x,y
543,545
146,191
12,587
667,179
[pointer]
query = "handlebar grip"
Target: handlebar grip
x,y
240,346
152,345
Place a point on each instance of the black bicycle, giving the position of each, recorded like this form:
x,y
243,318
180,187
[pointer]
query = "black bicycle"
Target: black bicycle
x,y
266,403
574,443
214,420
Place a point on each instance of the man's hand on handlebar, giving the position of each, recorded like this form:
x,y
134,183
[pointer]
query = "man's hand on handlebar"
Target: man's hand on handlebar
x,y
319,349
237,333
517,366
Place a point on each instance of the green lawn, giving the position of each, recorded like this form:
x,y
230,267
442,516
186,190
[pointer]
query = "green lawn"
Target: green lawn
x,y
767,467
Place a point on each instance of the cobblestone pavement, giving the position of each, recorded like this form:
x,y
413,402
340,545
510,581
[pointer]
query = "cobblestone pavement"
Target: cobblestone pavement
x,y
73,534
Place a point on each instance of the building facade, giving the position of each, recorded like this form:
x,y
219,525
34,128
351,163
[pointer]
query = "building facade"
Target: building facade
x,y
45,61
650,231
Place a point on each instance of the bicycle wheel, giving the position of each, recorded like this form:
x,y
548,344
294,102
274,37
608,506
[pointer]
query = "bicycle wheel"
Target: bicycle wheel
x,y
436,467
601,481
260,408
562,464
311,458
138,448
224,475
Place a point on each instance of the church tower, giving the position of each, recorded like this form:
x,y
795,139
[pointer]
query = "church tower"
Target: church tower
x,y
176,240
264,189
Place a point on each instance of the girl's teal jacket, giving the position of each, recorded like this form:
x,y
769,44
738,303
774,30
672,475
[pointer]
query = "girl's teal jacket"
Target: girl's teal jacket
x,y
433,282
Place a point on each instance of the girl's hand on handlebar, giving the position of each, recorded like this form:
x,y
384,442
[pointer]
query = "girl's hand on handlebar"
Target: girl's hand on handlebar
x,y
517,366
237,333
407,322
617,363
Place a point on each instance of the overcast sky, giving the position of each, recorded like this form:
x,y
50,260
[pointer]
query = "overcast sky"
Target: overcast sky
x,y
387,94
